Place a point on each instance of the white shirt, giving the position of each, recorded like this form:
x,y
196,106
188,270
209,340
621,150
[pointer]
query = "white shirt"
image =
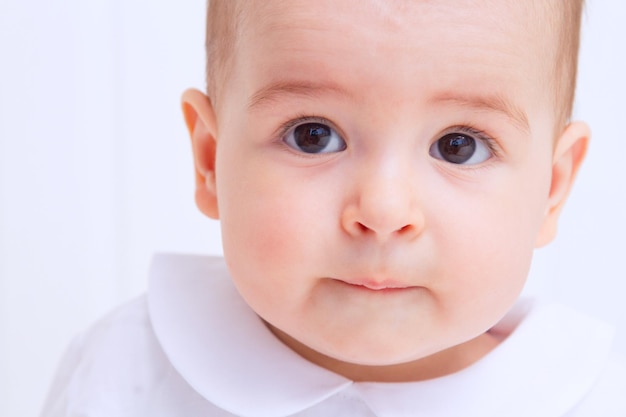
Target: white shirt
x,y
192,347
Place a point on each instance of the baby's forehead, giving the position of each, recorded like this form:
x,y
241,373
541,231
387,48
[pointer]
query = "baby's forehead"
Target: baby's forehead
x,y
485,27
538,19
395,11
287,23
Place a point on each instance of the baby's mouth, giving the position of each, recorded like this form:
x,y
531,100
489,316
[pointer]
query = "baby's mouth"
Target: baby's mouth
x,y
376,285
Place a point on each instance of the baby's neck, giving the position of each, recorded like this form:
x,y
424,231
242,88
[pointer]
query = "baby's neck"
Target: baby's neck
x,y
437,365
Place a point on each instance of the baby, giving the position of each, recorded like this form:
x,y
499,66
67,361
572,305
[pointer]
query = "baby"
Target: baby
x,y
382,171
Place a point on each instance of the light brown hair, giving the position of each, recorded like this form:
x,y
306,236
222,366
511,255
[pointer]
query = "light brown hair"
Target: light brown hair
x,y
568,16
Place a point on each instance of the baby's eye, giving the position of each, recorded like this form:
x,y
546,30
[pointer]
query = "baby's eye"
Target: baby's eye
x,y
460,148
314,138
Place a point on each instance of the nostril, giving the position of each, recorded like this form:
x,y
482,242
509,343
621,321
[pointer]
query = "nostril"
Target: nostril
x,y
358,222
362,228
405,229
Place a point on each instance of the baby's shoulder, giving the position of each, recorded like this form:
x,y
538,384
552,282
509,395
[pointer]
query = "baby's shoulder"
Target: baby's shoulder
x,y
125,334
130,319
109,365
607,397
117,368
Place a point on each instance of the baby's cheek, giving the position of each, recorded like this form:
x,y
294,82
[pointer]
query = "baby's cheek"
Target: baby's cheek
x,y
268,232
271,241
268,251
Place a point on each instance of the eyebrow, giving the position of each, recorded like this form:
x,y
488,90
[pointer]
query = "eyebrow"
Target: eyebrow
x,y
305,89
493,103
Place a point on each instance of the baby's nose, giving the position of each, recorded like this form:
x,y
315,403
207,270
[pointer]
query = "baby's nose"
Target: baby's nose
x,y
384,207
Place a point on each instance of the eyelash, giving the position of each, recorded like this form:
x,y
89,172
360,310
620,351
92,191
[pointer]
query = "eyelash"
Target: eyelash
x,y
300,119
466,128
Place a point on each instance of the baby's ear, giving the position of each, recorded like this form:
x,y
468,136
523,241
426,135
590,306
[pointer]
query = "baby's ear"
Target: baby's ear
x,y
569,153
201,123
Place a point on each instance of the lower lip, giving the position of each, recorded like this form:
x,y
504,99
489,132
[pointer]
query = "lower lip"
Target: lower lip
x,y
381,290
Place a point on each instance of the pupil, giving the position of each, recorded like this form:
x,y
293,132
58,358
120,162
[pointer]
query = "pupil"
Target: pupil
x,y
457,148
312,137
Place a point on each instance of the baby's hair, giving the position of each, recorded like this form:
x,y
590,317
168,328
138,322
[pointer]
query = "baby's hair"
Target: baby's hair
x,y
225,17
567,16
223,21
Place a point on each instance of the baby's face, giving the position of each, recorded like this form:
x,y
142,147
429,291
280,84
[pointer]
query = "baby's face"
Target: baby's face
x,y
384,170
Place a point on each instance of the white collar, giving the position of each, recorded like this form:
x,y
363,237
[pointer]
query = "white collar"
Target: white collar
x,y
225,353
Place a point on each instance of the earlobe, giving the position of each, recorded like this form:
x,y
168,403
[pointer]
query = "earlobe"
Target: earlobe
x,y
569,154
201,123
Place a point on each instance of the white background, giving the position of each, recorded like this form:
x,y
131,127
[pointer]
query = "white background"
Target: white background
x,y
96,174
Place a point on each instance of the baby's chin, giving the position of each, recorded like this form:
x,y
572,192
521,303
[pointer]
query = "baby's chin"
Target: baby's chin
x,y
384,360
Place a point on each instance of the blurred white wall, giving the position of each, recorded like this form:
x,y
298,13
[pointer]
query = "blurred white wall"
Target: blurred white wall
x,y
96,175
